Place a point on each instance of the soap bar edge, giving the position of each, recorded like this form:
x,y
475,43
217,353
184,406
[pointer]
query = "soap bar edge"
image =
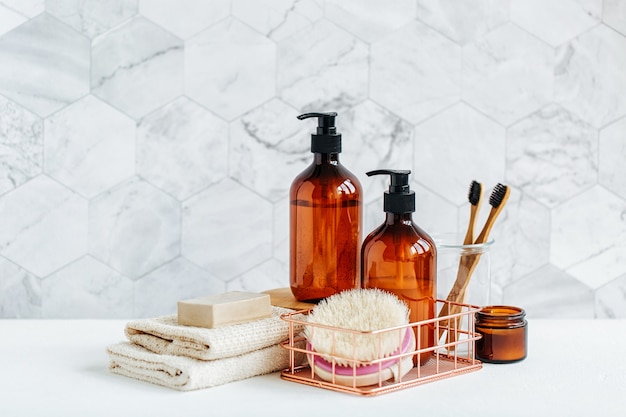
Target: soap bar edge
x,y
192,312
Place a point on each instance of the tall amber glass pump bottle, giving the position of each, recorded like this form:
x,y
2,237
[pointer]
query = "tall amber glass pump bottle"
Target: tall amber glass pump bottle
x,y
325,219
401,258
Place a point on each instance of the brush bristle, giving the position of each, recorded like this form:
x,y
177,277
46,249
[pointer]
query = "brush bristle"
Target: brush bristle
x,y
364,310
474,193
497,195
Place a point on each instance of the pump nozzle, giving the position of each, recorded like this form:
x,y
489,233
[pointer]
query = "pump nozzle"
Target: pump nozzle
x,y
326,139
399,199
399,179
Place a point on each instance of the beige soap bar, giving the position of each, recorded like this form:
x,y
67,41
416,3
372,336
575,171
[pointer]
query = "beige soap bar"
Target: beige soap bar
x,y
224,309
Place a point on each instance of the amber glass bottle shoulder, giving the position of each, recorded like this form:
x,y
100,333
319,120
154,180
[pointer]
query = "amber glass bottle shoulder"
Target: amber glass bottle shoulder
x,y
326,181
391,232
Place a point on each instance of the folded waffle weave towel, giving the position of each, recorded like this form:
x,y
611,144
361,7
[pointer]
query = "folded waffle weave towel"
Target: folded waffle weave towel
x,y
164,335
186,374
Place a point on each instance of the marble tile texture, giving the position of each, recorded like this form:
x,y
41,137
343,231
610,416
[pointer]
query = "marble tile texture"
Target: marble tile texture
x,y
92,17
137,67
147,147
89,146
45,65
230,68
278,19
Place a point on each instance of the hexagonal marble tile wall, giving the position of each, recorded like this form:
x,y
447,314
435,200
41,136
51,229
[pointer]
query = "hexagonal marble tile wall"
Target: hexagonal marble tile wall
x,y
614,15
181,148
258,141
50,230
596,222
465,145
610,299
227,229
375,138
266,276
521,239
507,74
561,295
26,8
370,20
185,18
220,74
89,146
463,21
10,19
21,145
137,67
278,19
147,146
45,65
157,292
134,227
320,67
20,292
552,155
612,150
433,211
589,77
576,18
104,294
92,17
281,231
416,72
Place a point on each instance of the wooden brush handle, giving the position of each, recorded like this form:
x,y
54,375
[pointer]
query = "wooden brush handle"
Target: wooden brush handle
x,y
469,235
467,265
457,293
471,261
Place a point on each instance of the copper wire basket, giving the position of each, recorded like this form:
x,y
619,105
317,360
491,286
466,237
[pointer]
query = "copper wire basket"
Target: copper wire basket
x,y
452,354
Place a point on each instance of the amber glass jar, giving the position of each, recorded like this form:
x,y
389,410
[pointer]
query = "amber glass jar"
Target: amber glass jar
x,y
504,334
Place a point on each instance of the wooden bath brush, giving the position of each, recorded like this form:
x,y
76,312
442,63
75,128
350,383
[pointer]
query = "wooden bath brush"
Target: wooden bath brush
x,y
351,329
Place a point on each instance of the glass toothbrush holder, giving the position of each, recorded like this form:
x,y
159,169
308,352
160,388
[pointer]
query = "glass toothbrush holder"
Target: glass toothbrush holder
x,y
454,262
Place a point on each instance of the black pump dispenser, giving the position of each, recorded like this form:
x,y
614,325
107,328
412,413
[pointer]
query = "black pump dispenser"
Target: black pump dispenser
x,y
399,199
326,139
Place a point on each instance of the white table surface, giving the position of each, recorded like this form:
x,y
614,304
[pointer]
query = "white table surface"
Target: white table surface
x,y
60,368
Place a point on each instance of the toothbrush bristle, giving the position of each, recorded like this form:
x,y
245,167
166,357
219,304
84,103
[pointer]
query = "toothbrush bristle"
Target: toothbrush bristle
x,y
497,195
474,193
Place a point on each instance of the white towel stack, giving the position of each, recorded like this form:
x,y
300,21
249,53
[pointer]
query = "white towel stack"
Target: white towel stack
x,y
186,358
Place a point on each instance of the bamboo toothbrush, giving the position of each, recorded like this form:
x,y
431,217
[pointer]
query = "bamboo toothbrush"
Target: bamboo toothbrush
x,y
474,197
497,200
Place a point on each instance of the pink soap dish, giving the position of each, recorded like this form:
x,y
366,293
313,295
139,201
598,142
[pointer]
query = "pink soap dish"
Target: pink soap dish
x,y
395,367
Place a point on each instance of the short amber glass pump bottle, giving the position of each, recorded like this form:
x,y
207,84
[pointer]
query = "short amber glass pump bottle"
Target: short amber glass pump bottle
x,y
400,257
325,219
